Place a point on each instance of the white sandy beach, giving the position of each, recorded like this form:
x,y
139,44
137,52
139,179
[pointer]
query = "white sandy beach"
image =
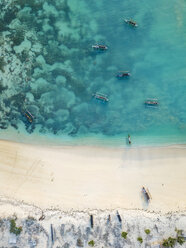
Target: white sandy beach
x,y
81,178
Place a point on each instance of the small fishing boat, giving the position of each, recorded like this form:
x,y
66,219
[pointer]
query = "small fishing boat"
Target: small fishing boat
x,y
101,97
108,219
91,221
29,116
131,22
123,74
52,233
151,102
119,217
146,193
99,47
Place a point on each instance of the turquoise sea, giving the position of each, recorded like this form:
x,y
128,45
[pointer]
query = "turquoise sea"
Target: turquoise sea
x,y
65,71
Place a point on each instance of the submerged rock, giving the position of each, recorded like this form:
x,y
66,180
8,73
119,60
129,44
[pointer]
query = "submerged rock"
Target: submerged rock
x,y
61,81
62,115
25,45
69,128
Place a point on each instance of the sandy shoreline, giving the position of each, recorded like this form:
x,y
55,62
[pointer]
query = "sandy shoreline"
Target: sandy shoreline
x,y
82,178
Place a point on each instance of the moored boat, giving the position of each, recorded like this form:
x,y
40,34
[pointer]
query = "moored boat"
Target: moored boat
x,y
151,102
131,22
123,74
99,47
100,96
29,116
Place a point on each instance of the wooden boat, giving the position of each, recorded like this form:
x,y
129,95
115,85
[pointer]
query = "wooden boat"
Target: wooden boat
x,y
99,47
123,74
52,233
146,193
29,116
101,97
108,220
131,22
91,221
119,217
151,102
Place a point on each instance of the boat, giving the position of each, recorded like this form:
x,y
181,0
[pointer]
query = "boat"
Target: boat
x,y
123,74
101,97
119,217
29,116
131,22
151,102
146,193
99,47
91,221
52,233
108,219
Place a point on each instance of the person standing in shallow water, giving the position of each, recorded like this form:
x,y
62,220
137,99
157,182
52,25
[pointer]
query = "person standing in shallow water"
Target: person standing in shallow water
x,y
129,139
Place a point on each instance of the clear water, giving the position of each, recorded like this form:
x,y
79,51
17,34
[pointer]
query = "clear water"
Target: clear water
x,y
59,93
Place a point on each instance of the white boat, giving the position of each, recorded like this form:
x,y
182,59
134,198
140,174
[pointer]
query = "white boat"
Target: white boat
x,y
99,47
100,96
151,102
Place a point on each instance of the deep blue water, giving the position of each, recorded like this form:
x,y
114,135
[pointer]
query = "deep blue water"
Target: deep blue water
x,y
63,85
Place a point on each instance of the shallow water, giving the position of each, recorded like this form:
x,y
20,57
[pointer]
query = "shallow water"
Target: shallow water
x,y
66,71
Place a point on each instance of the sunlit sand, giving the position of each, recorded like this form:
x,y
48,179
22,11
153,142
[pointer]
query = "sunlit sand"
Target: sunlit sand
x,y
94,177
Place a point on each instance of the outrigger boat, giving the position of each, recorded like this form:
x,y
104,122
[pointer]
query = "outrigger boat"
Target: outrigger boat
x,y
131,22
146,193
151,102
99,47
123,74
29,116
101,97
